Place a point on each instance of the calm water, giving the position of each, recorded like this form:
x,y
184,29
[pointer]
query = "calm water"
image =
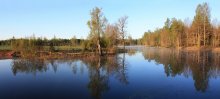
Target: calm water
x,y
147,73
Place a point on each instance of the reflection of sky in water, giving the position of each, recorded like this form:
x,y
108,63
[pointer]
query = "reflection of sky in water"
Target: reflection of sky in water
x,y
146,79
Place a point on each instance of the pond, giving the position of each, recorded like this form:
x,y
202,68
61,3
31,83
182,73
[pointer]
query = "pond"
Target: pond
x,y
142,73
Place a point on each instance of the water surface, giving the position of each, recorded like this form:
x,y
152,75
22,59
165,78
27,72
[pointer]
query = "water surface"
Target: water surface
x,y
146,73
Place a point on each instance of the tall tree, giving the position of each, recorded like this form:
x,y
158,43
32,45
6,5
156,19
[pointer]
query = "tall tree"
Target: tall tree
x,y
201,24
206,23
111,35
215,33
97,25
177,30
187,39
167,33
122,25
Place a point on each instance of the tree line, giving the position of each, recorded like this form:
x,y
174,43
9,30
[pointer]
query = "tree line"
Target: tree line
x,y
102,36
176,33
105,36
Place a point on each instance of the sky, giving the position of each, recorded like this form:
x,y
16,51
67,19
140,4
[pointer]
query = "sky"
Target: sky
x,y
68,18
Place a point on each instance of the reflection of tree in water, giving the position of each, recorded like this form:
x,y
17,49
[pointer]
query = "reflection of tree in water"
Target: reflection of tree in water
x,y
54,65
131,52
98,78
28,66
123,74
201,65
99,69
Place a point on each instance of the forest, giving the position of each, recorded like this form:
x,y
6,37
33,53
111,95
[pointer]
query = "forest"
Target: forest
x,y
105,37
201,32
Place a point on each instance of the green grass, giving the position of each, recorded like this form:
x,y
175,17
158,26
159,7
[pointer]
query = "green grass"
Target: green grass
x,y
5,47
64,48
68,47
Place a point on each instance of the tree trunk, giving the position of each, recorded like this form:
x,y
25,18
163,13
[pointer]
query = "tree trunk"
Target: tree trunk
x,y
187,44
198,42
123,44
99,47
204,39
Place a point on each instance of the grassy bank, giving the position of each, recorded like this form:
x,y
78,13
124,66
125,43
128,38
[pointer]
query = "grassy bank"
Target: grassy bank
x,y
5,48
58,52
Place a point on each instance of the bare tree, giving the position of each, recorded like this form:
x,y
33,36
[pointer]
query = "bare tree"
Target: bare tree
x,y
111,35
122,22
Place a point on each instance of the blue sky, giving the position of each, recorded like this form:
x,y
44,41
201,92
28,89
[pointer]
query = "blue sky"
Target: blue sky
x,y
66,18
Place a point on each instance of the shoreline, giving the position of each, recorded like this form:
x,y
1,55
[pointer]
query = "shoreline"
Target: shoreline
x,y
193,48
8,54
212,49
